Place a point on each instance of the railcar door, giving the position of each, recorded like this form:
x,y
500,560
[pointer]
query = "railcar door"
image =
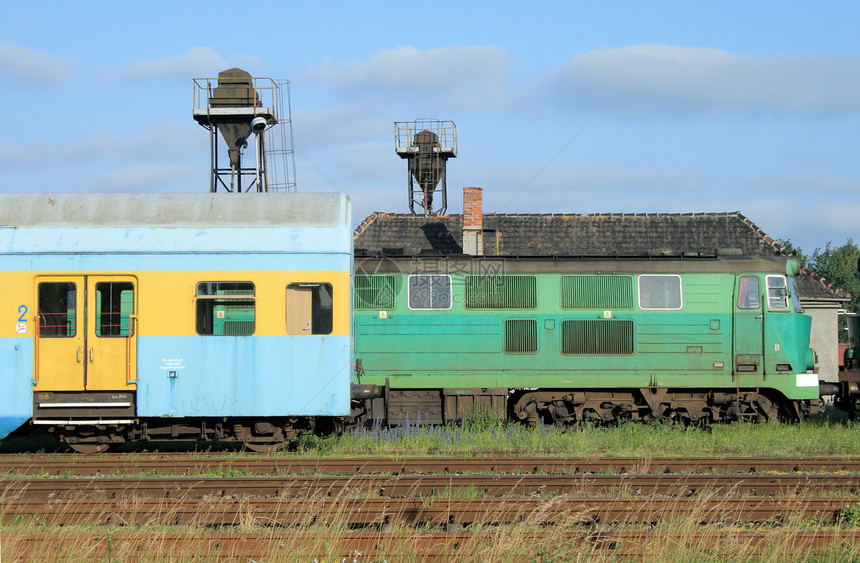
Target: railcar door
x,y
86,340
748,330
111,335
60,335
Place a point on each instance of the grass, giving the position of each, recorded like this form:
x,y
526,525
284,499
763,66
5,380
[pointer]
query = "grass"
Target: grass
x,y
529,540
828,434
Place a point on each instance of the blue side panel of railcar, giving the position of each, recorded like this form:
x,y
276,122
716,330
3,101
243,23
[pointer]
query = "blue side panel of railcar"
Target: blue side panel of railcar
x,y
243,376
16,395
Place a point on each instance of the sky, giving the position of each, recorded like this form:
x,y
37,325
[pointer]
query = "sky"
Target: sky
x,y
560,107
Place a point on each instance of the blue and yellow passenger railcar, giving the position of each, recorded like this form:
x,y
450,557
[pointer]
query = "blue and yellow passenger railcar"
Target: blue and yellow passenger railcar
x,y
205,316
571,339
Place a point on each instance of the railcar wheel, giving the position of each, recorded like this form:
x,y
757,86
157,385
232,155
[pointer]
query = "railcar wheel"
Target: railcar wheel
x,y
264,447
89,448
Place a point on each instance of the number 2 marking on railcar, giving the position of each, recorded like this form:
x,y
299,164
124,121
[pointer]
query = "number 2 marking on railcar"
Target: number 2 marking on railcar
x,y
21,323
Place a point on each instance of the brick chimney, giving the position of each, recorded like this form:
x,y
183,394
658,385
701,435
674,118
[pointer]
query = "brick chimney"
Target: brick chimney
x,y
473,222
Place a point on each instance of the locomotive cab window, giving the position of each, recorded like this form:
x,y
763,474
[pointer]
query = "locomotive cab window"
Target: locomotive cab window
x,y
429,292
310,308
225,308
795,296
660,292
749,296
777,293
57,309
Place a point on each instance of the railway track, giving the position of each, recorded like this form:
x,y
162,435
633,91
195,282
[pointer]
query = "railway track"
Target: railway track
x,y
436,508
365,546
437,485
267,465
412,511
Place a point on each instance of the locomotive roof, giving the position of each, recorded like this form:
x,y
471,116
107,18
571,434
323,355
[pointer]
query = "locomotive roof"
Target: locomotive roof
x,y
493,265
172,210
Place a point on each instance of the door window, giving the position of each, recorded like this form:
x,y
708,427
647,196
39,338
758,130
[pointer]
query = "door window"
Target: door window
x,y
57,309
114,307
749,296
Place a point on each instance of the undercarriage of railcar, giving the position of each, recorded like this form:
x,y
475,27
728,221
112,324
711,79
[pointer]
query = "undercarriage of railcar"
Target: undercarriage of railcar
x,y
566,407
256,434
376,403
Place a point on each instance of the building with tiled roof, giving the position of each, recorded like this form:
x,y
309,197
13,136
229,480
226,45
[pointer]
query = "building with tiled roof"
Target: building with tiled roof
x,y
612,234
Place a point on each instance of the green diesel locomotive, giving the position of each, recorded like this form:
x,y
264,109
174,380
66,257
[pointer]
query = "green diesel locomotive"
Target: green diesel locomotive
x,y
570,339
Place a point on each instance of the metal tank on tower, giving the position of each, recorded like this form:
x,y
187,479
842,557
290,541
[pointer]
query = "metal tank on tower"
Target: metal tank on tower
x,y
427,144
237,105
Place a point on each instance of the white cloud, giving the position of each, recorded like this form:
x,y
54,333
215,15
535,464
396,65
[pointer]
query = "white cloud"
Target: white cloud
x,y
195,62
803,184
644,80
464,77
149,178
339,126
18,63
164,140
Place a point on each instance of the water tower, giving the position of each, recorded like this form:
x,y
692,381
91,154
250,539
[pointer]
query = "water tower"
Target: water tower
x,y
236,105
426,144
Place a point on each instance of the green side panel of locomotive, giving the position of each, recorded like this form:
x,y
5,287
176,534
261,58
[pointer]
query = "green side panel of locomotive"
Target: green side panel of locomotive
x,y
566,330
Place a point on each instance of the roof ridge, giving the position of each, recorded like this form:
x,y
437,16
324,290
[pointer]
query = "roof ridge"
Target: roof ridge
x,y
823,281
364,224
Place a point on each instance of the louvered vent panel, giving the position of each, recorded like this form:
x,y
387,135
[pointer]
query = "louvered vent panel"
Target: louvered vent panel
x,y
597,292
501,292
608,336
521,336
238,328
374,292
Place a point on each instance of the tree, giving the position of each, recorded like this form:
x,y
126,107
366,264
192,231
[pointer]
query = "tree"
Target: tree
x,y
788,247
838,265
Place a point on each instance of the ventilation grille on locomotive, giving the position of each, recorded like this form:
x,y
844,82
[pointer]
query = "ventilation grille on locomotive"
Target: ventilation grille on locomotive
x,y
501,292
521,336
605,336
597,292
375,292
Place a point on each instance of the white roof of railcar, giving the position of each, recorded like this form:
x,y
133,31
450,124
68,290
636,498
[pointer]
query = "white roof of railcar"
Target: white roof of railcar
x,y
173,210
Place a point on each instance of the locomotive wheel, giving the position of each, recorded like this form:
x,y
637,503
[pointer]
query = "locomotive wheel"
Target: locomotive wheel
x,y
264,447
89,448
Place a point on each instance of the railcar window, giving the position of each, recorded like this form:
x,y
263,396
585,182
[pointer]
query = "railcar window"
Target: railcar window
x,y
749,296
501,292
429,292
114,307
225,308
310,308
660,291
57,309
777,293
375,292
